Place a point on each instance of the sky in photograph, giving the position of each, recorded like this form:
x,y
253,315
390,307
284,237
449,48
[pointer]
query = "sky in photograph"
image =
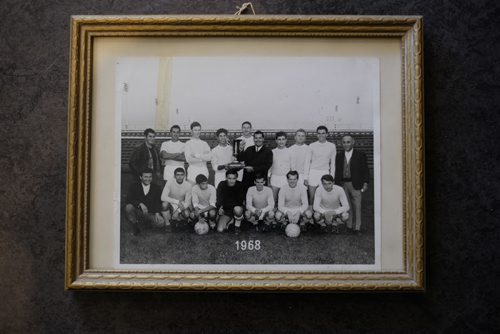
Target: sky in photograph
x,y
271,92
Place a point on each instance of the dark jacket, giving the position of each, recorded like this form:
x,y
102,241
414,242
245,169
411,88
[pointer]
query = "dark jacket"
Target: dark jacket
x,y
152,200
229,197
260,161
140,158
359,169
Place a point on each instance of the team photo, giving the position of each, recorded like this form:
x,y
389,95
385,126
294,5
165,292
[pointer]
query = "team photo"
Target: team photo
x,y
202,184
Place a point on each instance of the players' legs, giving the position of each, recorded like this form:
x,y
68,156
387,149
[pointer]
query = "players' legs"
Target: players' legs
x,y
276,190
222,222
131,212
166,213
238,217
250,217
279,218
354,198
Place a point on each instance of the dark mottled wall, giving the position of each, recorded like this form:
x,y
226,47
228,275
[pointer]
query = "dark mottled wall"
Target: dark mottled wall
x,y
462,104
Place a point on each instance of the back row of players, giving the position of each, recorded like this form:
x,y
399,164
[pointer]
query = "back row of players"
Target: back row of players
x,y
309,184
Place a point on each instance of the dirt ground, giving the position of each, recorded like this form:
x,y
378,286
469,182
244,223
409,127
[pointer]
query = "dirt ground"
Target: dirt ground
x,y
184,246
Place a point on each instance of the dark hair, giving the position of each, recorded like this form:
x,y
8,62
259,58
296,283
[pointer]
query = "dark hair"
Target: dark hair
x,y
175,127
327,177
301,130
232,171
280,134
221,130
259,175
322,127
292,173
148,131
246,122
179,170
195,124
200,178
147,171
258,132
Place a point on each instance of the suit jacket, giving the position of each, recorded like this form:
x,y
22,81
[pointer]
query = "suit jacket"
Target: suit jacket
x,y
140,158
359,169
152,200
260,161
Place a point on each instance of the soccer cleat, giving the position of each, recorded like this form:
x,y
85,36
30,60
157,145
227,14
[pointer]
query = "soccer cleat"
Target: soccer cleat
x,y
303,228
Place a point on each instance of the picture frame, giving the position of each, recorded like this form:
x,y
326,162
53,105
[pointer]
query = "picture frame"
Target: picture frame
x,y
93,224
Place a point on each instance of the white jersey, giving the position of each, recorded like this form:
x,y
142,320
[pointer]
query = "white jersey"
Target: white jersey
x,y
321,157
197,152
248,141
173,147
334,200
299,155
282,162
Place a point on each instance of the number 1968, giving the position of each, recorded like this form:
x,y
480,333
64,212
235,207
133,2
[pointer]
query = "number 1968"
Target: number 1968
x,y
250,245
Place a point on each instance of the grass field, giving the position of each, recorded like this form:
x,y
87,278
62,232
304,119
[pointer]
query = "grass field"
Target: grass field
x,y
183,246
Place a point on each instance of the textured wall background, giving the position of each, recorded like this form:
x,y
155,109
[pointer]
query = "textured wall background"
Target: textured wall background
x,y
461,86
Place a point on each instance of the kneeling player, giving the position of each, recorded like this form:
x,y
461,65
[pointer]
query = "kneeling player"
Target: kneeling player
x,y
143,202
260,204
292,203
330,205
204,198
176,198
230,198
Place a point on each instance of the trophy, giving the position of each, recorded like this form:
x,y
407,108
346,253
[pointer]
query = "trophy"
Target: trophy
x,y
236,149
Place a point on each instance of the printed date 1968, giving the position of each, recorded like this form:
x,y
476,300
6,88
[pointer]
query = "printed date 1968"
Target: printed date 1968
x,y
250,245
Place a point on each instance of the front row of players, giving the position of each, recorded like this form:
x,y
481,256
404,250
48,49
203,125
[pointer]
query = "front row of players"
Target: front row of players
x,y
179,203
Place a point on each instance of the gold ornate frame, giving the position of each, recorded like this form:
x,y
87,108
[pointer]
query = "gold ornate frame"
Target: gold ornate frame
x,y
84,31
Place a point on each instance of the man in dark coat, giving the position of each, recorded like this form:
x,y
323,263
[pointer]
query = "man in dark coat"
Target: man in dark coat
x,y
351,172
257,158
144,202
230,202
145,156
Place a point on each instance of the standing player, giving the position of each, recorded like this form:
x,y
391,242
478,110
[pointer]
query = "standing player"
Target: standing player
x,y
299,153
246,141
292,202
204,198
260,204
197,153
331,208
282,164
222,155
319,161
353,174
257,158
172,153
146,156
143,202
176,199
230,198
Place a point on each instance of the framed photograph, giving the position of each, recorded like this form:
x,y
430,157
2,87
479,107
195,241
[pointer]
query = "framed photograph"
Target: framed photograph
x,y
238,153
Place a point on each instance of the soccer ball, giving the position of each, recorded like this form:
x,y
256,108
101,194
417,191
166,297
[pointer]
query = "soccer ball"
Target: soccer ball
x,y
201,227
292,230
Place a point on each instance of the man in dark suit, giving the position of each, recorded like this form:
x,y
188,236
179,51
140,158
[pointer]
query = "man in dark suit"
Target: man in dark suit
x,y
144,202
257,158
145,156
351,172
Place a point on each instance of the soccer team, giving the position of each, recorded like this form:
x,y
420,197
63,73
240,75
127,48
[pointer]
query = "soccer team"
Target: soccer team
x,y
308,185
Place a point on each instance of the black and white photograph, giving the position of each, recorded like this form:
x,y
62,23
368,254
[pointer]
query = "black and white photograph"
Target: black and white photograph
x,y
258,161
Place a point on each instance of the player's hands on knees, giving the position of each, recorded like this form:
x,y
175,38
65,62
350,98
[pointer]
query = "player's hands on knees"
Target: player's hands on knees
x,y
221,211
143,208
158,219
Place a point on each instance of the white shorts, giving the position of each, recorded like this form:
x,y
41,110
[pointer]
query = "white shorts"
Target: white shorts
x,y
168,172
194,171
315,176
278,180
219,177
